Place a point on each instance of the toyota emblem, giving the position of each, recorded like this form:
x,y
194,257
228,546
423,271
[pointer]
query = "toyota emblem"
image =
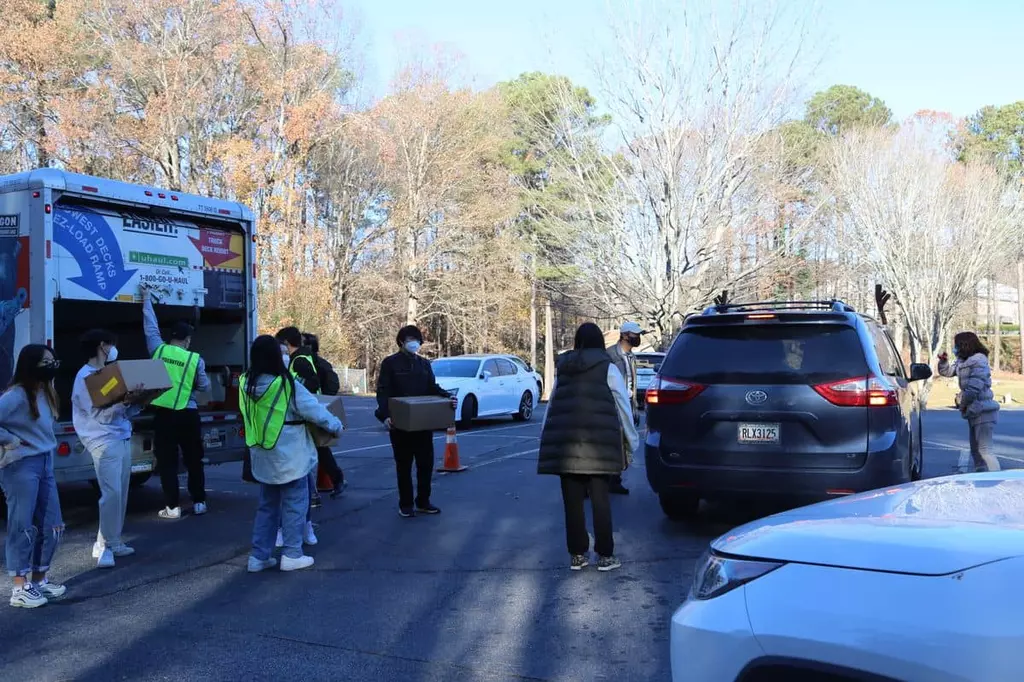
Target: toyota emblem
x,y
757,397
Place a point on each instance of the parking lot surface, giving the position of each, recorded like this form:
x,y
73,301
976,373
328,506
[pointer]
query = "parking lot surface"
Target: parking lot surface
x,y
478,593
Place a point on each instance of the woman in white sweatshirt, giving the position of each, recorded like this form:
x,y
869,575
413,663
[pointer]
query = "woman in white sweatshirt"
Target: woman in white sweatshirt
x,y
34,522
106,432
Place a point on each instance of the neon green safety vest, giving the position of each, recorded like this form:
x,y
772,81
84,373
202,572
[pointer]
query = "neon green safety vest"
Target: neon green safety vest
x,y
264,419
181,367
291,368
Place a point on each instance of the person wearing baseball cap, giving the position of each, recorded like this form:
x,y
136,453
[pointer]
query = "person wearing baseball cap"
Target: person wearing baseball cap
x,y
622,357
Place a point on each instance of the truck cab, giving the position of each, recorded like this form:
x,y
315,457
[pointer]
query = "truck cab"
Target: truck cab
x,y
74,253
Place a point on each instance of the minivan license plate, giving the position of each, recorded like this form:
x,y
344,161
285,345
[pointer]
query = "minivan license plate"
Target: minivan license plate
x,y
758,433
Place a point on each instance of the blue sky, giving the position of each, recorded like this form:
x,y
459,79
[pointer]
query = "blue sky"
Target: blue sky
x,y
946,55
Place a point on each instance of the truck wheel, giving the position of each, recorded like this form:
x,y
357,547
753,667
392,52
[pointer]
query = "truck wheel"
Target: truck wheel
x,y
679,506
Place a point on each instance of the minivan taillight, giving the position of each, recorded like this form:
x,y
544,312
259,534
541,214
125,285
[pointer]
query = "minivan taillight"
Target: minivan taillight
x,y
860,392
666,391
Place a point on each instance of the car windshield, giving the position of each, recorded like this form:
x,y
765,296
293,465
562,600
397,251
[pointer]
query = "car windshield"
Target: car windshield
x,y
463,369
775,354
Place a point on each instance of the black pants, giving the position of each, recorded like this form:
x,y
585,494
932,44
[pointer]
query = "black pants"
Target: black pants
x,y
325,460
179,430
409,447
574,490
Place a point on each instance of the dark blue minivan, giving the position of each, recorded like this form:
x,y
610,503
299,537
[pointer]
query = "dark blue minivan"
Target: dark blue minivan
x,y
801,399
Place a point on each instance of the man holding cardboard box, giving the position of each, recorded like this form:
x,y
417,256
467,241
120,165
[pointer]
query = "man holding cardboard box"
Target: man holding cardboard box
x,y
106,432
407,375
176,422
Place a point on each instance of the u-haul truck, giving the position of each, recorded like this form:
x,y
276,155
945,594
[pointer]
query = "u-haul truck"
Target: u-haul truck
x,y
74,251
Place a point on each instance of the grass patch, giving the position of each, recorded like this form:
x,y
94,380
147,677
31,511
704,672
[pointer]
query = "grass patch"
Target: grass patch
x,y
944,390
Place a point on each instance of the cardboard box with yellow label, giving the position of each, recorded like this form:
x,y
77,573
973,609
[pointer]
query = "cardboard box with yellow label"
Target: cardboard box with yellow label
x,y
113,382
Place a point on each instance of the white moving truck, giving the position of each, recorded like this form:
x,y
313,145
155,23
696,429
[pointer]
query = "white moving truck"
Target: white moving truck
x,y
74,251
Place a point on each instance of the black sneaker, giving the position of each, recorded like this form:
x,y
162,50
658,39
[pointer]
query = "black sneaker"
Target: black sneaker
x,y
427,509
406,512
316,501
338,490
608,563
578,562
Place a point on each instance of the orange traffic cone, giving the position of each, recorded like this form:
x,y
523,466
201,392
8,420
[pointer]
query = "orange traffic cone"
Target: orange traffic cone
x,y
324,484
451,454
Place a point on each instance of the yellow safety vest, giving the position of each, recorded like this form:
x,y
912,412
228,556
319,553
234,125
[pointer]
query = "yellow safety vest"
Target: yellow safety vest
x,y
264,419
291,368
181,367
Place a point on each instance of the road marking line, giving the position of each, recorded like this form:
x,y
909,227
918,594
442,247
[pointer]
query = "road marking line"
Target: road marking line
x,y
937,444
1012,459
481,434
502,458
368,447
485,430
964,460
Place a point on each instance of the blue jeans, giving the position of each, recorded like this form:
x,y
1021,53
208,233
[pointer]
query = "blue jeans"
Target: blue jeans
x,y
34,522
281,506
311,484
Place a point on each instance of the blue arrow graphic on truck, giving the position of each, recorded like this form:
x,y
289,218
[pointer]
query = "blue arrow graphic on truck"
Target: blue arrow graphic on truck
x,y
87,236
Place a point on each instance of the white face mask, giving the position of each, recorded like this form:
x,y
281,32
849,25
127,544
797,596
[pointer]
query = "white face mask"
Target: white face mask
x,y
112,354
412,346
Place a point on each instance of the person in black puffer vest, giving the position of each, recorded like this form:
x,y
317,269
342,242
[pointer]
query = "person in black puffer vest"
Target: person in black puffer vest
x,y
588,437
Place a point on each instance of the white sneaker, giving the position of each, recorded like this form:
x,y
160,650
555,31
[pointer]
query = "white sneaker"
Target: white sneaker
x,y
199,508
51,590
122,550
97,550
106,559
255,565
27,597
168,513
279,542
289,564
309,537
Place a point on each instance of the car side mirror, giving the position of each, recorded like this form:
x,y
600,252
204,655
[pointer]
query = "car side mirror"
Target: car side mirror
x,y
920,372
486,375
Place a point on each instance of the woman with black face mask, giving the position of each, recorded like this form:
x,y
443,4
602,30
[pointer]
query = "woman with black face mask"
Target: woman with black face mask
x,y
28,410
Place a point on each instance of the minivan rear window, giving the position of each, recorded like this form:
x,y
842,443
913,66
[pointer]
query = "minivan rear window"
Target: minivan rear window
x,y
776,353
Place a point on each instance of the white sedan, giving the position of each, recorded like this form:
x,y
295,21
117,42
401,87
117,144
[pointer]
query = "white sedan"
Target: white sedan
x,y
917,583
487,386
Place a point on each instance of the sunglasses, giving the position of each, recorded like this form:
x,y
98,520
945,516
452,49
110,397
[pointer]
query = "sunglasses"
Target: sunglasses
x,y
52,363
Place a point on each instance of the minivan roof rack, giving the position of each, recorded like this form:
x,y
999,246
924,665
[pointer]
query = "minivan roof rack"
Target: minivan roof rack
x,y
834,305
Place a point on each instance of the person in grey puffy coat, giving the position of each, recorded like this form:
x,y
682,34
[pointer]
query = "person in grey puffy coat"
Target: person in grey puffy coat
x,y
976,400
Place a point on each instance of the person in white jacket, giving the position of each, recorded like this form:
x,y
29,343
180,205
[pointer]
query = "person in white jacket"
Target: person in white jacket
x,y
277,411
106,432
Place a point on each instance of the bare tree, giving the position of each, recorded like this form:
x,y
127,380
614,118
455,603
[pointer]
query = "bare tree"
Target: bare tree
x,y
931,228
693,94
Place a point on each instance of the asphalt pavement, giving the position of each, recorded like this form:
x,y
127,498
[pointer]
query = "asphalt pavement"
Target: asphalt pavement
x,y
479,593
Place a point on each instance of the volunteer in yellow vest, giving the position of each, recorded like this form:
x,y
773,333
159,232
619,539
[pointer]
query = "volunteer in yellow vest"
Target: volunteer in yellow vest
x,y
176,420
276,409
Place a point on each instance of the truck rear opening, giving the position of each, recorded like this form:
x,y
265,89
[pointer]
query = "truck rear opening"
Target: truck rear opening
x,y
197,270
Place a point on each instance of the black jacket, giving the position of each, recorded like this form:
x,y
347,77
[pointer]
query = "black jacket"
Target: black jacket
x,y
404,375
582,433
304,366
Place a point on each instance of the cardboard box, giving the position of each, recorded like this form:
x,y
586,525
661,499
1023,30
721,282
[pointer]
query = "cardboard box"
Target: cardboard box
x,y
424,413
113,382
335,406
